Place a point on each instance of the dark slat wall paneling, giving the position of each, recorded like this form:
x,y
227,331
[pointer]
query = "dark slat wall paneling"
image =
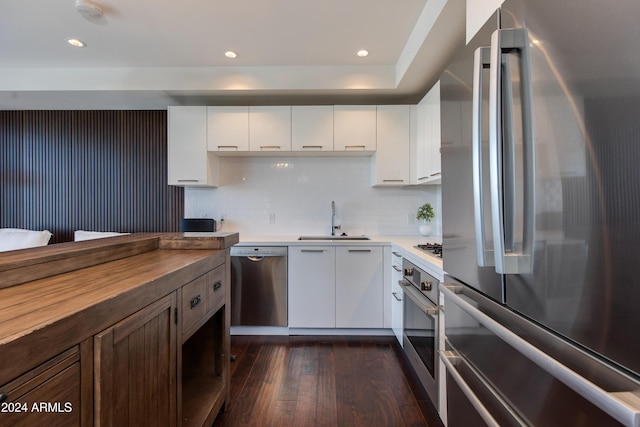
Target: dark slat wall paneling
x,y
86,170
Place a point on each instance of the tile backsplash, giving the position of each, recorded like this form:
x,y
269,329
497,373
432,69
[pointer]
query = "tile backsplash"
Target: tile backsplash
x,y
292,195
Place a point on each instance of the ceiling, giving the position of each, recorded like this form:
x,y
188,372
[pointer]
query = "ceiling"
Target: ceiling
x,y
147,54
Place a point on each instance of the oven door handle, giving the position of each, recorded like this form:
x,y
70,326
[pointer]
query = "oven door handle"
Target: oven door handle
x,y
418,299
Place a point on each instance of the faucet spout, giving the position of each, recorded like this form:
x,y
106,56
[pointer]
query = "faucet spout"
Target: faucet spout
x,y
333,218
334,227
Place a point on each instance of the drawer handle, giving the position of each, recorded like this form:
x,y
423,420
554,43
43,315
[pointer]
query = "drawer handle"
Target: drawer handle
x,y
359,250
3,397
217,285
195,301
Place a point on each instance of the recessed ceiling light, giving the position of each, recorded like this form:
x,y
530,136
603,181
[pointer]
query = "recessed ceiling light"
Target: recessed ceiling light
x,y
76,43
230,54
362,53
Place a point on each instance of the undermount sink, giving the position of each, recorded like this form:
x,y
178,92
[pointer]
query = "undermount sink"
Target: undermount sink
x,y
334,238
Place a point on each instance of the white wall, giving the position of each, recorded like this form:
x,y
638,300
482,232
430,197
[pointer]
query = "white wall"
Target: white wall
x,y
478,11
292,196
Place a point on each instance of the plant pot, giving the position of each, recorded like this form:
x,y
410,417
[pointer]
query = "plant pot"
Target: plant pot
x,y
425,228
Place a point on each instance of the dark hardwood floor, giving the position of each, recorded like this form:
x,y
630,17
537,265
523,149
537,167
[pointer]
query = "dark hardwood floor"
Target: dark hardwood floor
x,y
323,381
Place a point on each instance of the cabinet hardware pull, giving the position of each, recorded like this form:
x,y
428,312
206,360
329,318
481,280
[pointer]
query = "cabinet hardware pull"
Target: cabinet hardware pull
x,y
217,285
422,177
393,180
3,397
395,295
271,147
312,250
187,180
359,250
396,254
436,174
396,268
349,147
227,147
313,146
195,301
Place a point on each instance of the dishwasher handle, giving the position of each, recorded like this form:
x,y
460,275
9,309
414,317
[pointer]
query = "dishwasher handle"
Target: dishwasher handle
x,y
255,258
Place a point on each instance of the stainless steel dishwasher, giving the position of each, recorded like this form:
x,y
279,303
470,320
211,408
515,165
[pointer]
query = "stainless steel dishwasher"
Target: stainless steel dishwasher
x,y
258,286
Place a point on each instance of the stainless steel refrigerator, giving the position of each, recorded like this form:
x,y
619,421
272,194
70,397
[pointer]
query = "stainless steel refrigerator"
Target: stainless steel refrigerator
x,y
541,216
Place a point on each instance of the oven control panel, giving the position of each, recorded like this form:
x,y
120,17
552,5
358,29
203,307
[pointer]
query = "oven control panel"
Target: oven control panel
x,y
421,280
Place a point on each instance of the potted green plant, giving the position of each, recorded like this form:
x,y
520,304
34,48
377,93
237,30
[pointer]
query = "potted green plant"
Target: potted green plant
x,y
425,215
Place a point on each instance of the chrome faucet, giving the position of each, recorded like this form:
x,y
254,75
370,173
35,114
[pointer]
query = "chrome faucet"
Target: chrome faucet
x,y
334,227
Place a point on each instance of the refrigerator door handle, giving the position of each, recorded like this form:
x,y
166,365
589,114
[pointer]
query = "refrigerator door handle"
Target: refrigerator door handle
x,y
481,61
510,259
624,406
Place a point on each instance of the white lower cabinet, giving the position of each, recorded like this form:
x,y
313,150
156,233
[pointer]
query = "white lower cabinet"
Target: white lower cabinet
x,y
397,296
359,287
312,290
336,287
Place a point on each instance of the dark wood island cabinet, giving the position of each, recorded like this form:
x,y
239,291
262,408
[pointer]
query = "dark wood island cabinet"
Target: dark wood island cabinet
x,y
130,330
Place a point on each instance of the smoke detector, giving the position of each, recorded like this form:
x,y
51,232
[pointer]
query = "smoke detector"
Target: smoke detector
x,y
89,9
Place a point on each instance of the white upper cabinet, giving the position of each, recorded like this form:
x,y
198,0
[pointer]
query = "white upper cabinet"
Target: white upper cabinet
x,y
228,129
270,128
354,128
189,164
312,128
392,157
426,151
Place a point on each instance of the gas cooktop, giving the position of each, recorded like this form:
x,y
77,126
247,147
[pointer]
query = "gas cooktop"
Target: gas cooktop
x,y
434,249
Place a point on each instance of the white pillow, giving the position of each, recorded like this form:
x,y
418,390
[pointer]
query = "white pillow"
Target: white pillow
x,y
17,238
80,235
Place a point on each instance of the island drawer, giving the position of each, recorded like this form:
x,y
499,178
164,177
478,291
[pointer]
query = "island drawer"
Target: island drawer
x,y
194,304
217,289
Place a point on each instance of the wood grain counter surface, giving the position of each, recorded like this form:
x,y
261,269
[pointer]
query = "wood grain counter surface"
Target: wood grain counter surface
x,y
43,317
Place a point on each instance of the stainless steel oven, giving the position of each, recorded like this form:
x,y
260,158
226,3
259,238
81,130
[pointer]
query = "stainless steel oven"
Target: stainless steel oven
x,y
420,330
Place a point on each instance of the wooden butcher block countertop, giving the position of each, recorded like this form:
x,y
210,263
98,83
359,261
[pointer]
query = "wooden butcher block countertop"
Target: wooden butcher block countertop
x,y
54,297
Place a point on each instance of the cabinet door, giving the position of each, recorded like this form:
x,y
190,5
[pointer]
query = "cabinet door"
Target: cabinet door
x,y
135,368
189,164
227,129
354,128
312,275
56,384
359,287
270,128
397,295
392,158
426,165
312,128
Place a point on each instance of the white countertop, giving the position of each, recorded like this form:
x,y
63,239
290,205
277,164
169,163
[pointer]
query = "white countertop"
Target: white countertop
x,y
404,245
